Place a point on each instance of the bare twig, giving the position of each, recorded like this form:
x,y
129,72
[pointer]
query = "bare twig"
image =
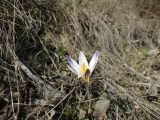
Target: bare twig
x,y
45,49
48,90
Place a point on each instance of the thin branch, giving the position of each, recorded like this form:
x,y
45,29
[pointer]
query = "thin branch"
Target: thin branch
x,y
48,90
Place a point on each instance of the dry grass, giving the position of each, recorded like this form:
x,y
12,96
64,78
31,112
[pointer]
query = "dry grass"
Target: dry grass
x,y
40,33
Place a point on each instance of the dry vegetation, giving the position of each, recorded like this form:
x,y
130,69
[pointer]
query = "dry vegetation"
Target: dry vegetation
x,y
35,82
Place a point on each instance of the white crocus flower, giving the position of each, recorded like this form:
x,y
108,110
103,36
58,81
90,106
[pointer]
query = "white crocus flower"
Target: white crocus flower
x,y
83,69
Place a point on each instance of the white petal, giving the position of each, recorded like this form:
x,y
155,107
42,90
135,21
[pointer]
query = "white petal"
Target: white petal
x,y
93,61
74,65
71,69
82,59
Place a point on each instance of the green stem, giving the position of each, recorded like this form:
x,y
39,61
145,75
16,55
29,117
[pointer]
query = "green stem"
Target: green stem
x,y
89,97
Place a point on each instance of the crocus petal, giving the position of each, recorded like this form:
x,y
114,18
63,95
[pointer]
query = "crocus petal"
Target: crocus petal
x,y
71,69
93,61
74,65
82,59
